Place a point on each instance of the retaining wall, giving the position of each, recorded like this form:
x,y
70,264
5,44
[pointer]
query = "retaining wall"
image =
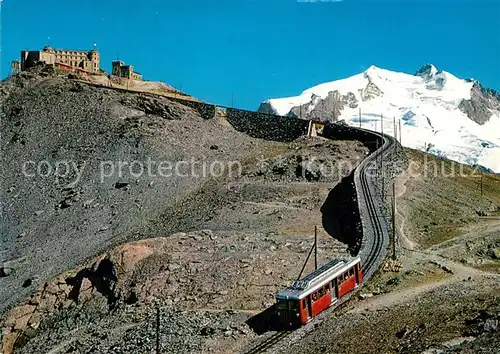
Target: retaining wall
x,y
342,132
266,126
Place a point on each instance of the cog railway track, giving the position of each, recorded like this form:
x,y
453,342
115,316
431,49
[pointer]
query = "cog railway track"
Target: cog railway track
x,y
377,250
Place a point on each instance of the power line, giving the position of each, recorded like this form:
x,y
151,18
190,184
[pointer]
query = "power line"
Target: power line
x,y
315,247
394,220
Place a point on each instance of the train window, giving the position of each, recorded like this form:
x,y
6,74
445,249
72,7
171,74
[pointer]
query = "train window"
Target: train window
x,y
346,276
282,304
339,280
351,272
321,292
314,296
327,288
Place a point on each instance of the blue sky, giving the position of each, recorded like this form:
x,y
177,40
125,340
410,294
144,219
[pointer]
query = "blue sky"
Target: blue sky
x,y
248,51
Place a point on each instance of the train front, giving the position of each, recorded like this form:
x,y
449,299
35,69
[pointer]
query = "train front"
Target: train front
x,y
287,311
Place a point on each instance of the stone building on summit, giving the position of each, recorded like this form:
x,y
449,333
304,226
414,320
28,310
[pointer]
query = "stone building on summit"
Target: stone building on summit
x,y
125,71
79,60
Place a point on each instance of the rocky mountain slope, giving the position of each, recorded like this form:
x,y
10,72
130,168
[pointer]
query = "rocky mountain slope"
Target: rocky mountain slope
x,y
91,244
438,112
81,170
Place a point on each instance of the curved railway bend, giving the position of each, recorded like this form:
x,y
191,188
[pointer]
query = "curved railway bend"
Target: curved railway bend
x,y
374,226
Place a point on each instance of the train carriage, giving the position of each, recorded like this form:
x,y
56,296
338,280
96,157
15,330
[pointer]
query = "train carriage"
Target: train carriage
x,y
317,291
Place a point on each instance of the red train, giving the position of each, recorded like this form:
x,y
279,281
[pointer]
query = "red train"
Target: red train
x,y
317,291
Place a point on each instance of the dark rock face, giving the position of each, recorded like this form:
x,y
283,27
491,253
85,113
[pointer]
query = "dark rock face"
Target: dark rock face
x,y
426,71
370,91
330,108
266,107
482,101
435,79
327,109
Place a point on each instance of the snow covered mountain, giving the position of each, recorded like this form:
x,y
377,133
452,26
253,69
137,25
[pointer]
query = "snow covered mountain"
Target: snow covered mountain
x,y
438,112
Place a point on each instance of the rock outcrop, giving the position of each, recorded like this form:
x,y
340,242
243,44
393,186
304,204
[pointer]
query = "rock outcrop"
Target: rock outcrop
x,y
370,91
105,278
483,101
325,109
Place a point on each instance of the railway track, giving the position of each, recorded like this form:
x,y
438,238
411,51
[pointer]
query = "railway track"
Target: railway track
x,y
376,251
263,346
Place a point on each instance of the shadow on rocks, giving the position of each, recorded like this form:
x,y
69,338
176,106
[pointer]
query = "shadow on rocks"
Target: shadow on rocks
x,y
102,276
265,321
340,215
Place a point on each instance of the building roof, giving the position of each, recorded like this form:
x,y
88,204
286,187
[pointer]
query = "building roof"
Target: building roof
x,y
74,50
318,278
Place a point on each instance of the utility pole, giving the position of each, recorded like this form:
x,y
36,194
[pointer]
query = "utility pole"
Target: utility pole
x,y
394,220
157,329
395,129
333,114
307,260
322,110
315,247
381,159
481,183
400,141
360,117
383,178
396,135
